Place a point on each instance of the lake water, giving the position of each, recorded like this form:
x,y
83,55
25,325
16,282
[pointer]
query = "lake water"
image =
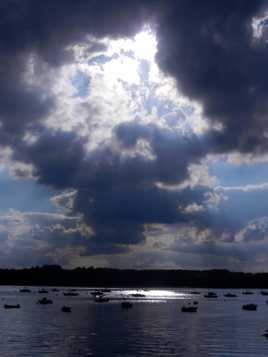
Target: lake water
x,y
155,326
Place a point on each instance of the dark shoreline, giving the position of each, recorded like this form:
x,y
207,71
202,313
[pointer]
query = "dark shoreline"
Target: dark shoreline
x,y
105,277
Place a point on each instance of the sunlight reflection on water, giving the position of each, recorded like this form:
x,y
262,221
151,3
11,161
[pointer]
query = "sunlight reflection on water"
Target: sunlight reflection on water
x,y
146,294
219,328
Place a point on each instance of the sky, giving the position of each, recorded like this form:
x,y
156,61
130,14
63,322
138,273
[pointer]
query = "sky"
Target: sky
x,y
134,134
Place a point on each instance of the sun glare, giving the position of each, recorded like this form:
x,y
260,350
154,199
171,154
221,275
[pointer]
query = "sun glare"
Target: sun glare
x,y
142,46
145,45
120,83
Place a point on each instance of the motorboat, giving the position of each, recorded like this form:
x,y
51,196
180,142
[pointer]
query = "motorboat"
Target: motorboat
x,y
189,309
138,295
101,298
55,290
126,305
42,291
96,292
25,290
105,290
230,295
265,334
12,306
45,301
70,293
250,307
211,295
66,309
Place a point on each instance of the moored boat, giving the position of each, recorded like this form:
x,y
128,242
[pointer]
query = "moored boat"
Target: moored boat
x,y
12,306
55,290
211,295
189,309
101,298
96,292
250,307
106,290
70,293
45,301
230,295
42,291
138,295
25,290
66,309
126,305
265,334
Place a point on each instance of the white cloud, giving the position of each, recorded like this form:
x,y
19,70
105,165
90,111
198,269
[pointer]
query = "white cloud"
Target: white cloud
x,y
64,200
124,84
255,231
245,188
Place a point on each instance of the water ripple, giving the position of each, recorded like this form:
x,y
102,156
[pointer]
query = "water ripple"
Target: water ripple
x,y
154,326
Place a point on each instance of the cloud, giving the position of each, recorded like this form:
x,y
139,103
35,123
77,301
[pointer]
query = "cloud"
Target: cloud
x,y
48,31
210,51
110,187
34,238
256,230
246,188
121,161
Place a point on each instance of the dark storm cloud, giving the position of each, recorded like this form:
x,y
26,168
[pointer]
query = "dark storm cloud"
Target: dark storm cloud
x,y
118,213
45,29
51,25
22,105
57,158
206,46
209,48
117,194
173,152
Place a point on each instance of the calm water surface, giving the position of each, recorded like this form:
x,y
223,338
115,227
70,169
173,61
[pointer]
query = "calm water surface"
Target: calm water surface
x,y
155,326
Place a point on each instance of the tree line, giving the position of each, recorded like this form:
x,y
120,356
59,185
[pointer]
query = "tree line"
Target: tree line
x,y
54,275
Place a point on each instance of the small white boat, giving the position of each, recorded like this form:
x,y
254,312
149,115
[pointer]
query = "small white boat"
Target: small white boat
x,y
101,298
